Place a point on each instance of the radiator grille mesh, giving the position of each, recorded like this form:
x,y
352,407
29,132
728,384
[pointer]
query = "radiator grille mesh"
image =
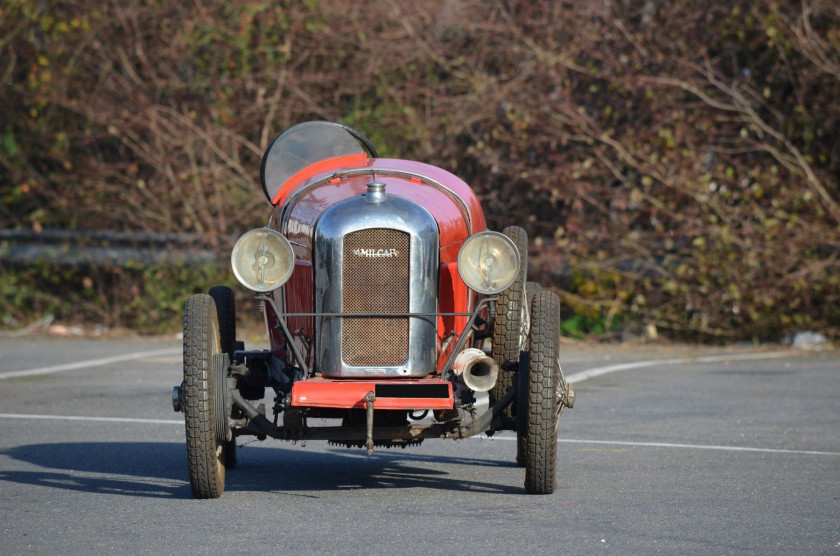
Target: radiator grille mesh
x,y
376,280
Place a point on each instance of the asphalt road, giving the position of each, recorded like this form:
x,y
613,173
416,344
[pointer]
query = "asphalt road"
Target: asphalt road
x,y
710,450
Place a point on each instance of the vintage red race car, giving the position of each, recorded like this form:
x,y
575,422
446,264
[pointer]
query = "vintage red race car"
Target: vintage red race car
x,y
393,316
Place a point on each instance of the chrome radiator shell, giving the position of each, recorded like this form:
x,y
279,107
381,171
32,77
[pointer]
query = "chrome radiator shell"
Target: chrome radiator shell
x,y
382,220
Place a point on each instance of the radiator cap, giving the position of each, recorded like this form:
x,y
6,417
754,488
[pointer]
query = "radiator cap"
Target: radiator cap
x,y
376,192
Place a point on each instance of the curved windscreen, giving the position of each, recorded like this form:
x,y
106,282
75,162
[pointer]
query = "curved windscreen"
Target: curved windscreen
x,y
304,145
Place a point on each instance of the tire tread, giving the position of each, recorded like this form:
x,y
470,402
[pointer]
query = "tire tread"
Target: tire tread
x,y
541,428
531,289
207,478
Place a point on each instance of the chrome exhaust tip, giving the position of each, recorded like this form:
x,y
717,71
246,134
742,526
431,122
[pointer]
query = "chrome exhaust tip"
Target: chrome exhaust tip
x,y
476,369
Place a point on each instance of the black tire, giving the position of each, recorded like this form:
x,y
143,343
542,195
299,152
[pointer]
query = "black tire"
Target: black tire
x,y
230,454
226,312
542,376
531,288
507,329
205,454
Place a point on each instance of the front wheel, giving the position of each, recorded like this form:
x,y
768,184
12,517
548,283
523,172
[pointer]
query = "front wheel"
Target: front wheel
x,y
511,321
226,312
204,396
531,289
540,380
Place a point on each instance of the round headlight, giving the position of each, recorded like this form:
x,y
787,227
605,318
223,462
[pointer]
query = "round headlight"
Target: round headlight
x,y
262,260
488,262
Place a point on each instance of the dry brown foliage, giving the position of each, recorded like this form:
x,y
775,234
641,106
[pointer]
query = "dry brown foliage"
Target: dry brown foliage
x,y
675,163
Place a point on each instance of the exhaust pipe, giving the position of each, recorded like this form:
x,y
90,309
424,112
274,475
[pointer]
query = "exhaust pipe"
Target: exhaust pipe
x,y
478,371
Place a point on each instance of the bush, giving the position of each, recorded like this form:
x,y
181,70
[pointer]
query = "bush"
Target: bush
x,y
149,300
679,160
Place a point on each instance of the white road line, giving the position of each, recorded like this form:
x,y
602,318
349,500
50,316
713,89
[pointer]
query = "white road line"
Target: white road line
x,y
89,363
699,447
93,419
677,445
600,371
492,439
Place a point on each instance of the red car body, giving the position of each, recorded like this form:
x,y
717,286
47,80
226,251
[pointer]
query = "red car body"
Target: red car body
x,y
323,187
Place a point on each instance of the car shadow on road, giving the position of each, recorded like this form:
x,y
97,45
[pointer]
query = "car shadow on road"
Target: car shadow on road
x,y
153,469
305,473
159,470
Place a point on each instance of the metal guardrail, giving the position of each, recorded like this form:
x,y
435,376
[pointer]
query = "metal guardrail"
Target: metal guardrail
x,y
94,248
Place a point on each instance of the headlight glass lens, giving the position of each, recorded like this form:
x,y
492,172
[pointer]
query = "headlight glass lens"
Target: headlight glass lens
x,y
488,262
262,260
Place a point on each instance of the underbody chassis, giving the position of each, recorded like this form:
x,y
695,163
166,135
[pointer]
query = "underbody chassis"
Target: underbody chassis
x,y
374,412
369,434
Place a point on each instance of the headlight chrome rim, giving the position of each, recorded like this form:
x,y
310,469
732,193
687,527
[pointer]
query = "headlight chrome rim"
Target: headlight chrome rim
x,y
473,273
276,251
